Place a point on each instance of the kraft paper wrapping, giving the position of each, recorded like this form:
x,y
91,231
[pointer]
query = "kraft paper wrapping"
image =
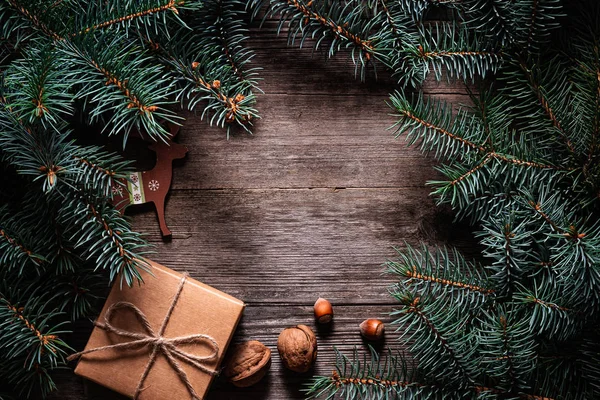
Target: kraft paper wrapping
x,y
199,309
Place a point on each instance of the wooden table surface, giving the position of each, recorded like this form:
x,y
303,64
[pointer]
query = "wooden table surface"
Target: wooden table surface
x,y
308,206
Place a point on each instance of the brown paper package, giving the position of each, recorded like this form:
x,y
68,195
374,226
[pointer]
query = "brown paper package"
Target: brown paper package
x,y
200,309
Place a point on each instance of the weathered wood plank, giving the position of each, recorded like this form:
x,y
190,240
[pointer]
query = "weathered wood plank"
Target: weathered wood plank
x,y
316,242
305,142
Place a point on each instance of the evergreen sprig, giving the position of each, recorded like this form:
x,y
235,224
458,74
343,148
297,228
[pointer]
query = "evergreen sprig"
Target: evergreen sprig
x,y
385,32
31,344
432,274
376,377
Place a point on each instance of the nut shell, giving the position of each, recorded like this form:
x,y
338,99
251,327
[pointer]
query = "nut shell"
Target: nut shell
x,y
323,311
372,329
297,348
247,363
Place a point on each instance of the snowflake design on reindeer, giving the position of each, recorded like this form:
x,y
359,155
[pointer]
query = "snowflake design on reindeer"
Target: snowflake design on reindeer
x,y
117,191
153,185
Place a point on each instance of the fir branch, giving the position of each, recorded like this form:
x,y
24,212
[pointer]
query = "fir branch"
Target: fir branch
x,y
389,18
414,119
83,290
593,146
437,338
414,274
427,125
491,17
150,8
418,8
343,24
223,34
390,376
224,37
535,87
470,172
378,377
538,209
508,349
124,90
590,361
46,341
439,273
336,29
14,29
31,341
534,15
507,239
105,237
33,337
232,109
541,18
18,251
451,50
546,304
98,171
35,90
34,19
577,262
547,316
15,252
33,151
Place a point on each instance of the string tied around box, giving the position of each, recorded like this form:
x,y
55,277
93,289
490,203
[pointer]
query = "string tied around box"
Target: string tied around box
x,y
159,344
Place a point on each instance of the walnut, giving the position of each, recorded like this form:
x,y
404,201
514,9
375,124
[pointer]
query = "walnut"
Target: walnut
x,y
297,348
247,363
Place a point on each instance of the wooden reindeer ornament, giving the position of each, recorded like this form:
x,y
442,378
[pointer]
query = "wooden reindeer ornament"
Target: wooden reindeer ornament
x,y
151,186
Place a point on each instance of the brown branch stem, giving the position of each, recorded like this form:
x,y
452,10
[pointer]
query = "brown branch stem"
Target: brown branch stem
x,y
415,275
18,314
546,106
478,147
13,242
171,5
111,79
127,260
414,309
547,304
471,171
335,28
426,54
94,166
34,20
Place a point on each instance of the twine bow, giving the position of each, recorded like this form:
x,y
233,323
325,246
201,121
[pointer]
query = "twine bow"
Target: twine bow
x,y
166,346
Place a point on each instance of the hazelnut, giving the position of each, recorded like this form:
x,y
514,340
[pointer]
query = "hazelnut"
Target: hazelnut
x,y
297,348
323,311
247,363
372,329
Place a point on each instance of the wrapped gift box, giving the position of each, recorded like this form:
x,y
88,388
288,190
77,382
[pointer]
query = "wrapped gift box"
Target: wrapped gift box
x,y
199,309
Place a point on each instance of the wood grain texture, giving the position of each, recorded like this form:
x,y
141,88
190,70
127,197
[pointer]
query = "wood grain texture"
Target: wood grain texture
x,y
309,205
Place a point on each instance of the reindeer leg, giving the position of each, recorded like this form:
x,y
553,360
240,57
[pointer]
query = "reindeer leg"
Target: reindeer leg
x,y
160,213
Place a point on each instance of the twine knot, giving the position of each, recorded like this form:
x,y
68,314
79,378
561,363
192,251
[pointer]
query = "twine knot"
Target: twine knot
x,y
159,344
